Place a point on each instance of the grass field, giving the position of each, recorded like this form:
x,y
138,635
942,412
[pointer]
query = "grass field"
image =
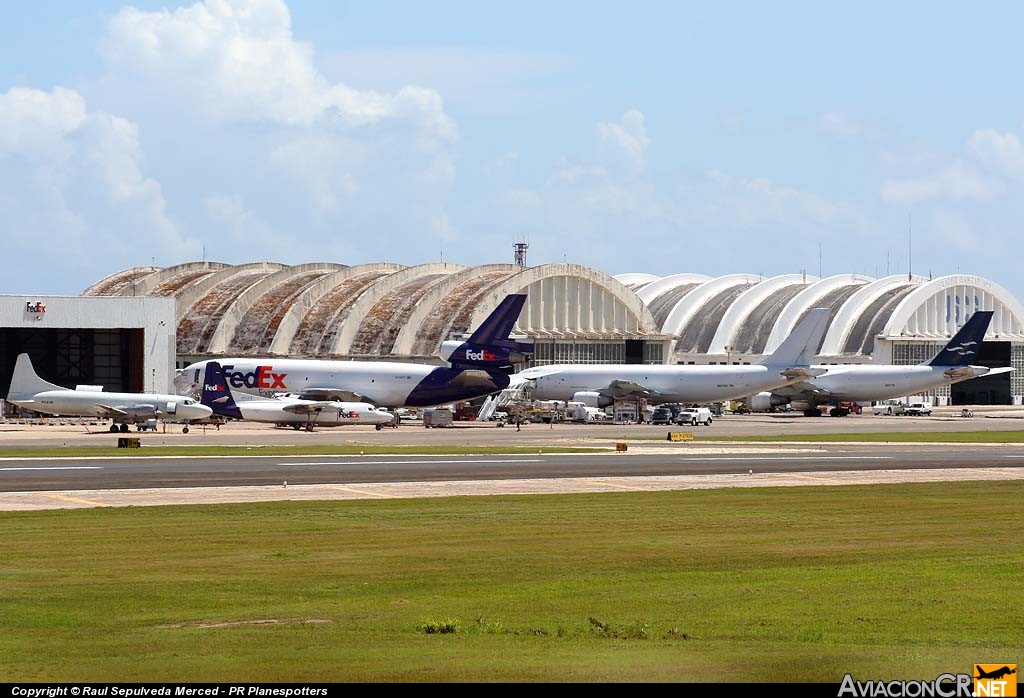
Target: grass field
x,y
325,450
800,584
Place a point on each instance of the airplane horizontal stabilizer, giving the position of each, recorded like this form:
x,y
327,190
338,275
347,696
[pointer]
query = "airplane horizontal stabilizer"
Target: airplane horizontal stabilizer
x,y
328,394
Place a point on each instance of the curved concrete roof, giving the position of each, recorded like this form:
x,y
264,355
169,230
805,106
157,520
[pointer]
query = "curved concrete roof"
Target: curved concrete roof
x,y
327,309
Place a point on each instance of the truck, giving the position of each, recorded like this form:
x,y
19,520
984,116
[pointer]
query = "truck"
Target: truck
x,y
919,409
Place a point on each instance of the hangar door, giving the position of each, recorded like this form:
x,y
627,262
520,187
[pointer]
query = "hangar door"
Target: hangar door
x,y
112,358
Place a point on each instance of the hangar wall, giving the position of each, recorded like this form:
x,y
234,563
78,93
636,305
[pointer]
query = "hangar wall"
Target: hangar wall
x,y
123,343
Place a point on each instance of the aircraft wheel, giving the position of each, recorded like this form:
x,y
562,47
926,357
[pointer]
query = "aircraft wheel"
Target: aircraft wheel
x,y
379,427
113,429
184,430
297,427
124,428
812,413
309,427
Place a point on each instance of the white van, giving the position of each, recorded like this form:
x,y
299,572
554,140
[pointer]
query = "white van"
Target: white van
x,y
694,416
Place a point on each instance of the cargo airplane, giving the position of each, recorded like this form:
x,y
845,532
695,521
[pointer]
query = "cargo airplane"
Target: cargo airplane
x,y
30,391
295,412
599,385
867,383
477,367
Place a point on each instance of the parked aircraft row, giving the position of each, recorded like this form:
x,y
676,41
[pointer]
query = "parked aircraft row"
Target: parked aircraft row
x,y
338,392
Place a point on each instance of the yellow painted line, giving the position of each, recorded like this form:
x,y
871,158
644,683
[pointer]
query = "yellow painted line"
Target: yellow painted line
x,y
610,484
76,500
355,491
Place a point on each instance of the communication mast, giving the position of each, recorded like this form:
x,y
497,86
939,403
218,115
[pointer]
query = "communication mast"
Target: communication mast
x,y
520,248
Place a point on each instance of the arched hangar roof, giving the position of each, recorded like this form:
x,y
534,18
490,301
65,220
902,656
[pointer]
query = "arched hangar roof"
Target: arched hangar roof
x,y
323,309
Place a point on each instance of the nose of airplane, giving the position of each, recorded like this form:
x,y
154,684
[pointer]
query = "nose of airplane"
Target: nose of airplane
x,y
195,412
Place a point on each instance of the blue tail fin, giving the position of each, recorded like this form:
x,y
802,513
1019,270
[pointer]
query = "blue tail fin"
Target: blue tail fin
x,y
489,346
216,393
494,331
963,348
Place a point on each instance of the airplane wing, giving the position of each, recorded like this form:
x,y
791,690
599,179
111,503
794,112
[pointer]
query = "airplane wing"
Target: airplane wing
x,y
537,372
959,373
623,388
474,377
111,412
306,407
802,373
800,390
332,394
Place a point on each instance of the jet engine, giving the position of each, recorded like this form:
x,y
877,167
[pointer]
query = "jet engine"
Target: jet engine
x,y
764,402
592,398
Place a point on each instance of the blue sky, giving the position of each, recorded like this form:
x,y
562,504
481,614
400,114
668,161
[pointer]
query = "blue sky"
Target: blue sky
x,y
658,137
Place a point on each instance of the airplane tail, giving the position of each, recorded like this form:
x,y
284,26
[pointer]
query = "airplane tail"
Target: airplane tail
x,y
489,346
963,348
800,347
216,394
25,383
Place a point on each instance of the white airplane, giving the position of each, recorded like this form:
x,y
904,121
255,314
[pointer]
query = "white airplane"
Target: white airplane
x,y
293,411
31,392
865,383
598,385
475,370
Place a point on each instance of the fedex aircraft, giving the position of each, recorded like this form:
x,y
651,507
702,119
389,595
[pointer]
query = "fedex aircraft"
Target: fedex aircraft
x,y
30,391
475,369
866,383
295,412
598,385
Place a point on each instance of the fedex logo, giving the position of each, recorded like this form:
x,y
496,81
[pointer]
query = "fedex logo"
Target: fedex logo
x,y
482,355
212,388
262,377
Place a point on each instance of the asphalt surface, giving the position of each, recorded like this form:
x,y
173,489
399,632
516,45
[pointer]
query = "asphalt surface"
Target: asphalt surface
x,y
24,475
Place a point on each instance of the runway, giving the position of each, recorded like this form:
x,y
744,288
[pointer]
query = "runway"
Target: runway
x,y
102,473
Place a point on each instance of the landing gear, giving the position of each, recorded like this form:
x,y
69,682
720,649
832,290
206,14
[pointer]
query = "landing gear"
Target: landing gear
x,y
379,427
123,429
812,412
309,427
184,430
297,427
114,429
839,411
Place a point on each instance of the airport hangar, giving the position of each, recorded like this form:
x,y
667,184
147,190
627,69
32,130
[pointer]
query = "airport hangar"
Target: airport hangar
x,y
118,333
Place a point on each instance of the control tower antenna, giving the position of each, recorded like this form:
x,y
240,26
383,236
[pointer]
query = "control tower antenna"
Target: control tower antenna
x,y
520,250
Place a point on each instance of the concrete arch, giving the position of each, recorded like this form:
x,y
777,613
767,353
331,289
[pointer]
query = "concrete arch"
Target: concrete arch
x,y
221,341
848,315
169,282
1007,319
746,303
120,283
198,290
649,293
635,281
301,330
684,311
554,305
384,301
435,313
820,291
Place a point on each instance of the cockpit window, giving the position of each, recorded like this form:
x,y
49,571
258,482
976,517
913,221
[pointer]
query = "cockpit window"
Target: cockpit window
x,y
190,402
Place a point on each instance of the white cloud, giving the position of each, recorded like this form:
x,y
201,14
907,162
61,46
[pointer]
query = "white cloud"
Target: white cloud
x,y
238,61
73,178
626,142
840,124
956,182
1001,152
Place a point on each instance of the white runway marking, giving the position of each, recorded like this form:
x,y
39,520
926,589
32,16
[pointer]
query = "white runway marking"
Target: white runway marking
x,y
418,462
62,467
762,458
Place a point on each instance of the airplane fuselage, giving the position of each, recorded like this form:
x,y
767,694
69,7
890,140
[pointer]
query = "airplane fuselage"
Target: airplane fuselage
x,y
871,383
384,383
333,414
138,406
666,383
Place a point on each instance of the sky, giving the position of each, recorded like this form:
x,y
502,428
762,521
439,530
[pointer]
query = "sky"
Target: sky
x,y
653,137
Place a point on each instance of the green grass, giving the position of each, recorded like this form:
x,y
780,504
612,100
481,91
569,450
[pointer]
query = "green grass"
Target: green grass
x,y
325,450
782,584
